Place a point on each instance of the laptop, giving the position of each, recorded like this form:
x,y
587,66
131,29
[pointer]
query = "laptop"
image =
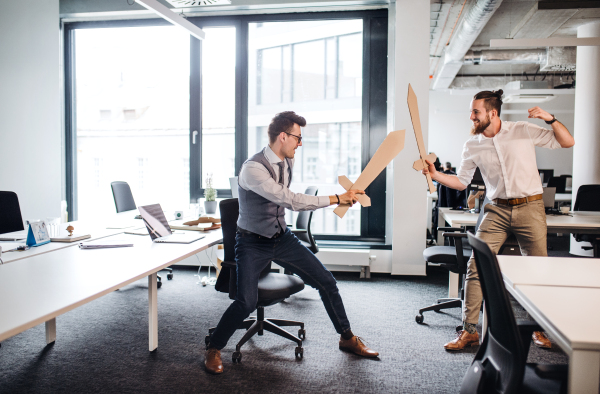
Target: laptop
x,y
159,230
548,195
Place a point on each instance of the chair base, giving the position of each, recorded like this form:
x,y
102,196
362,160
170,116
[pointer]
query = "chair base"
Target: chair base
x,y
443,303
258,325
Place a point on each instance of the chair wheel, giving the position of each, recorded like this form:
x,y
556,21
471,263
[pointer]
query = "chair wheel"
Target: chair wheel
x,y
419,319
236,357
207,340
302,333
169,276
158,284
299,352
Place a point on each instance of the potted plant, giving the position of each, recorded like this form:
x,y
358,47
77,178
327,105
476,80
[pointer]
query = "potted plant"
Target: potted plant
x,y
210,195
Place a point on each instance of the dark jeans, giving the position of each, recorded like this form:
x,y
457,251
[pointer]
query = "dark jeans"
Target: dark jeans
x,y
252,254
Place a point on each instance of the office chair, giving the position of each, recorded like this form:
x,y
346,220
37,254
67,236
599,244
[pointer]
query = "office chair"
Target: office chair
x,y
588,199
272,288
568,179
500,363
448,197
559,182
124,202
302,229
10,213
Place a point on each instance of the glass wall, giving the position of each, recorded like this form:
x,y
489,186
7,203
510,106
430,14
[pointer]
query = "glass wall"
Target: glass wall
x,y
315,69
132,116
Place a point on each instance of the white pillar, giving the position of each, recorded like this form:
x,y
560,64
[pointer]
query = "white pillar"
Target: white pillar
x,y
586,152
408,62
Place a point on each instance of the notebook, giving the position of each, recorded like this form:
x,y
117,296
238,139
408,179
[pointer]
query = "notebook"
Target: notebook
x,y
158,227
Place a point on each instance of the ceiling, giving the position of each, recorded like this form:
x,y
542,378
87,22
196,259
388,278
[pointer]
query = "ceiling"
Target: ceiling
x,y
509,19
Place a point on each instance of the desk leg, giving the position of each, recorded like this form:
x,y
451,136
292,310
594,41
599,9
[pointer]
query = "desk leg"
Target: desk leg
x,y
152,312
453,290
441,223
584,371
50,331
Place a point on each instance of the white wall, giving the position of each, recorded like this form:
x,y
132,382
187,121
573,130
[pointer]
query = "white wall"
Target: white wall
x,y
450,127
30,135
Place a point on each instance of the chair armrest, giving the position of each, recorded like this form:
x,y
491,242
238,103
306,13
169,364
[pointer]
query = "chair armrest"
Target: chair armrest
x,y
229,264
451,229
455,235
299,231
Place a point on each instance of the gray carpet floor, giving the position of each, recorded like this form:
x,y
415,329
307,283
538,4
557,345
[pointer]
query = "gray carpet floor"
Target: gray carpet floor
x,y
103,346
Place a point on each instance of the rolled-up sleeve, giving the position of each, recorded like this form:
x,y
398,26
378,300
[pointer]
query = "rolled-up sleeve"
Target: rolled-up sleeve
x,y
255,177
467,167
542,137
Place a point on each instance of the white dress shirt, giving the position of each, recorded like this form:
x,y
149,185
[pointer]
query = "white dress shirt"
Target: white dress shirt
x,y
255,177
507,161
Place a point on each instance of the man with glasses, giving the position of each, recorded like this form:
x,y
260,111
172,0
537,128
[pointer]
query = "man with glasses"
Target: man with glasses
x,y
263,236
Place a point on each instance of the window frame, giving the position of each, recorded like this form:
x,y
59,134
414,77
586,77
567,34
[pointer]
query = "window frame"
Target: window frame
x,y
374,103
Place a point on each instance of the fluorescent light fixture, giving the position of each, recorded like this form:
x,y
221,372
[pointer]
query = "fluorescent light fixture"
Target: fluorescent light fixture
x,y
196,3
177,20
545,42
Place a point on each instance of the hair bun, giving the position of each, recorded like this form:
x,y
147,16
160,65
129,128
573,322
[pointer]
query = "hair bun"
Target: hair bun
x,y
499,92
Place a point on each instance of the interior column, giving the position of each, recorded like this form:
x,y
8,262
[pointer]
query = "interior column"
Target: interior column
x,y
586,152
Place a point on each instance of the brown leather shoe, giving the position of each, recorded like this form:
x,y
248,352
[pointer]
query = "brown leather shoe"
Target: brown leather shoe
x,y
541,340
357,346
462,340
212,361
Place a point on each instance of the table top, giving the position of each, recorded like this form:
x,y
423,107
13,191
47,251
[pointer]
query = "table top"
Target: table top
x,y
550,271
567,313
580,221
47,285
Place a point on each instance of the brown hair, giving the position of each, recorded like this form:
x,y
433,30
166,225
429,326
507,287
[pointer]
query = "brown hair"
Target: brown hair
x,y
283,123
491,99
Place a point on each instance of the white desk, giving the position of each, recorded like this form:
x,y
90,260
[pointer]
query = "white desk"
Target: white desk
x,y
39,288
550,271
580,222
569,315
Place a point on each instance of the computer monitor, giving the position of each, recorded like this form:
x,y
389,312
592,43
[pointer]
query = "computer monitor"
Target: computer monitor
x,y
547,174
10,213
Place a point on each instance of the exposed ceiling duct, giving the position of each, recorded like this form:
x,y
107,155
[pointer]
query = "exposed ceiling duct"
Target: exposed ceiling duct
x,y
466,33
549,59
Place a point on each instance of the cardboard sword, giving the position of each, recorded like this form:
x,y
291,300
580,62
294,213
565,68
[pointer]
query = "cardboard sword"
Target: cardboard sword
x,y
418,165
389,148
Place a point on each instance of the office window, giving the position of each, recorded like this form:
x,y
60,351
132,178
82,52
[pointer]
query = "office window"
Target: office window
x,y
152,106
132,116
315,69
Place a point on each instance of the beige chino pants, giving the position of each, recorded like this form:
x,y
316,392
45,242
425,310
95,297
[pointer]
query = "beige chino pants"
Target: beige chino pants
x,y
526,221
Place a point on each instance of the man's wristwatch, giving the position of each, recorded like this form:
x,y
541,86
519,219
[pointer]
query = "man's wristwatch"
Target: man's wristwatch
x,y
551,121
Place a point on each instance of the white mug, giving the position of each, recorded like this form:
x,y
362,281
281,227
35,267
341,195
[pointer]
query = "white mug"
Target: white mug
x,y
565,209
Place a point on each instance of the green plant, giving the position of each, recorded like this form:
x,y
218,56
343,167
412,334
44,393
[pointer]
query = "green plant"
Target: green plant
x,y
210,193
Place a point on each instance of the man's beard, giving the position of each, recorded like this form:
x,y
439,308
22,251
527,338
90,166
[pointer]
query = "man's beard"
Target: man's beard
x,y
480,126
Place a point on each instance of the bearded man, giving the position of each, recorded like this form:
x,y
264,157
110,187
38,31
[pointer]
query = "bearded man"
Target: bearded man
x,y
505,154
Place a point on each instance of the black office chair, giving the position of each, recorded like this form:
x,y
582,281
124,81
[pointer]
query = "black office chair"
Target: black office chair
x,y
559,182
454,259
10,213
448,197
302,229
124,202
588,199
500,363
272,288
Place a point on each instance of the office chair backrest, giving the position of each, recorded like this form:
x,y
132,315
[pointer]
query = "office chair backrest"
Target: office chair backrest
x,y
123,197
559,183
588,198
501,355
10,213
304,219
230,210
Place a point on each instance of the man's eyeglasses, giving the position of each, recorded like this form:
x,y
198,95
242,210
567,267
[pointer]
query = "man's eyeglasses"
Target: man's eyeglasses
x,y
293,135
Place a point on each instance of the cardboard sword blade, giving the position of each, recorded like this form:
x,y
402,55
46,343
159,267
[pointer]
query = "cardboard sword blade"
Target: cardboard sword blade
x,y
413,108
389,148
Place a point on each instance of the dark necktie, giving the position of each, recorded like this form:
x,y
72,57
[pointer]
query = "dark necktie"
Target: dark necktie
x,y
281,165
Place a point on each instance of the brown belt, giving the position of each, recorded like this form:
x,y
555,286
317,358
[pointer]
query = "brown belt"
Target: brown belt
x,y
518,201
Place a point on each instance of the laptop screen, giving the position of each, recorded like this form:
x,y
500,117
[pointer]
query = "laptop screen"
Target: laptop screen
x,y
155,221
548,195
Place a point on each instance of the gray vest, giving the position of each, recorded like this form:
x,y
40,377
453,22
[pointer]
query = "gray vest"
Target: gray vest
x,y
257,214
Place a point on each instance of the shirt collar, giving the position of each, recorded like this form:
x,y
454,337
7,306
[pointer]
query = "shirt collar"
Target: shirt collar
x,y
271,156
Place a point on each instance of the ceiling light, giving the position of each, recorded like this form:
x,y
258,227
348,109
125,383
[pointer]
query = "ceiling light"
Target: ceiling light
x,y
177,20
196,3
545,42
